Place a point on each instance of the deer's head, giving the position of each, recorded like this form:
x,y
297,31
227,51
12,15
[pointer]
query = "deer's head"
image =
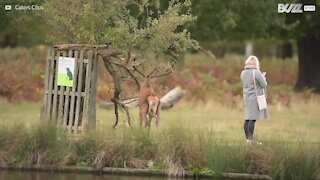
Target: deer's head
x,y
153,74
146,78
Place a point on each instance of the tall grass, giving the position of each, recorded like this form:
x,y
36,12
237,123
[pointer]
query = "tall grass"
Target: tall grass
x,y
174,149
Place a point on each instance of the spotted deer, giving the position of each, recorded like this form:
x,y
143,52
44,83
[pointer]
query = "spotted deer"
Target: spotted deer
x,y
149,102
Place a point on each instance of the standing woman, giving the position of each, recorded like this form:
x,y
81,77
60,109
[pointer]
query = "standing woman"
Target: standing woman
x,y
254,84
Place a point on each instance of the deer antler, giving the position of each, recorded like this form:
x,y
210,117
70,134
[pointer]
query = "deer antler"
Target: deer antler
x,y
154,70
134,67
167,72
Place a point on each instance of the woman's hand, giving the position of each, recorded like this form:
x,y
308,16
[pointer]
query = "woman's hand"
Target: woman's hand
x,y
264,74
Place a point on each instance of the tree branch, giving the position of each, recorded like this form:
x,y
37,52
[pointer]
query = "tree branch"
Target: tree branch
x,y
125,109
107,54
79,46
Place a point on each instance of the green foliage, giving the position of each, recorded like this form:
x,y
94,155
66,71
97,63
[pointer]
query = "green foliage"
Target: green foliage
x,y
302,25
245,19
200,171
127,25
235,20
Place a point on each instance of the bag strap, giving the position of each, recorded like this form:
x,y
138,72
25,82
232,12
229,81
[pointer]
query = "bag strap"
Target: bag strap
x,y
254,82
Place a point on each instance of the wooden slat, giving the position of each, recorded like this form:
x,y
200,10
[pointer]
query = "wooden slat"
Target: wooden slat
x,y
46,84
66,102
94,78
79,90
61,99
68,89
55,93
61,102
72,106
85,115
50,85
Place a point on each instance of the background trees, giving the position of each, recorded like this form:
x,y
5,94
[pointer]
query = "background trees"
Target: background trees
x,y
141,27
250,20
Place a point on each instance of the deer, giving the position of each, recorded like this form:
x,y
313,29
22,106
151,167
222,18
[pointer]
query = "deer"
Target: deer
x,y
149,102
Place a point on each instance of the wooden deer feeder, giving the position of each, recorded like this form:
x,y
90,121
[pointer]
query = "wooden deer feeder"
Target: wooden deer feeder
x,y
70,86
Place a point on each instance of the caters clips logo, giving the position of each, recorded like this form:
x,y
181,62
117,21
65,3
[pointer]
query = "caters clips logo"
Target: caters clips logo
x,y
295,8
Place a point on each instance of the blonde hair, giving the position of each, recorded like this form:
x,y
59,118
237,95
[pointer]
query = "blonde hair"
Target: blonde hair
x,y
252,62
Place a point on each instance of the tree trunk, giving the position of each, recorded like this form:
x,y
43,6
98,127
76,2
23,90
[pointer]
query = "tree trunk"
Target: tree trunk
x,y
309,63
117,91
249,49
286,50
106,55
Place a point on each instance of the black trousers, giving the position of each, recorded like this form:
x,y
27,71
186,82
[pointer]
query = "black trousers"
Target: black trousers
x,y
249,128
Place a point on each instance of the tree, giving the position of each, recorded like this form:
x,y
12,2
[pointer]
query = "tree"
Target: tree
x,y
247,20
307,35
234,20
137,35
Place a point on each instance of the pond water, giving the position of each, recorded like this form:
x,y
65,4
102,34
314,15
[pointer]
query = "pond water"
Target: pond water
x,y
41,175
33,175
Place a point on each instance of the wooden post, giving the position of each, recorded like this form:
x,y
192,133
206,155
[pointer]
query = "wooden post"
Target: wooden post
x,y
66,100
79,89
46,86
61,104
87,91
92,102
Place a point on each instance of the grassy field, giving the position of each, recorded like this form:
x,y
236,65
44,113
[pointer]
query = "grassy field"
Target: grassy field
x,y
203,133
201,137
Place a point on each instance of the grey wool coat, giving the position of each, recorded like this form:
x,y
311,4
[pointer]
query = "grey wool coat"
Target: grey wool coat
x,y
251,109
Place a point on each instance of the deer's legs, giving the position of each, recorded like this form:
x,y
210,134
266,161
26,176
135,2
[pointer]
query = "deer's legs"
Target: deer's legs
x,y
143,116
157,114
157,120
148,120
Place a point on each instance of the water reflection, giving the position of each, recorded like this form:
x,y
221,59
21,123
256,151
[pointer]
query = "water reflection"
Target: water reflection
x,y
29,175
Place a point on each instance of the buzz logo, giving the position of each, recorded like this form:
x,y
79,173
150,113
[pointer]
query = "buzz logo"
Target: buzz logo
x,y
289,8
